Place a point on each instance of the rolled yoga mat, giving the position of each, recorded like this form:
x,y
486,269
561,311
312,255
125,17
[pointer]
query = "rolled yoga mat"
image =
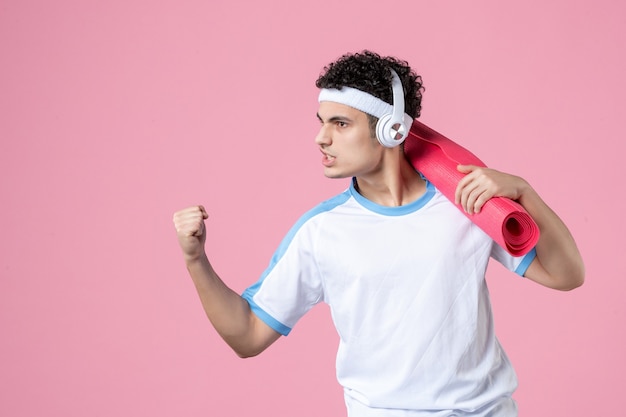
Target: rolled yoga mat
x,y
437,157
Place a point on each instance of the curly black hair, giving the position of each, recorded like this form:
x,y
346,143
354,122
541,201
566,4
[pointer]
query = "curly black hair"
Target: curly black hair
x,y
369,72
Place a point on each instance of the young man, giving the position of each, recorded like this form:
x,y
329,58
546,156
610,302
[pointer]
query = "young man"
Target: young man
x,y
402,269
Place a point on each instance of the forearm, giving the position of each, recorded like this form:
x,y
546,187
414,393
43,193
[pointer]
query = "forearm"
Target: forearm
x,y
228,312
556,250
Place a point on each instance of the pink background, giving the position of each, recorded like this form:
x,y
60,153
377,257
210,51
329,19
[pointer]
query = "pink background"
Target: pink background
x,y
115,114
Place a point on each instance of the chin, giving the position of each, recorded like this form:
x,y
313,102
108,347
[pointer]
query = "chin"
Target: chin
x,y
335,175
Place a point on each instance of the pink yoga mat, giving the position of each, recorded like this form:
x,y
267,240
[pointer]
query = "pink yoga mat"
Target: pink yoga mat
x,y
437,157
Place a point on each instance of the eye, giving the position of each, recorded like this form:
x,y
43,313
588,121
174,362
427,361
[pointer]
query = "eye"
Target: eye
x,y
341,123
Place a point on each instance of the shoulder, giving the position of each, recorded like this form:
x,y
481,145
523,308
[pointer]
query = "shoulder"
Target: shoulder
x,y
315,215
325,207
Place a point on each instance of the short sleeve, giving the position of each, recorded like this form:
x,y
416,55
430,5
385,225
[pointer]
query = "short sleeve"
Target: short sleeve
x,y
517,264
291,285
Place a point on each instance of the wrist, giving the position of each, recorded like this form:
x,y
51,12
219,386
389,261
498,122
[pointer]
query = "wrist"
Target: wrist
x,y
527,195
192,259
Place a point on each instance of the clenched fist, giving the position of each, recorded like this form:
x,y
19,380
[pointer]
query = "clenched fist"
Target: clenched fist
x,y
191,232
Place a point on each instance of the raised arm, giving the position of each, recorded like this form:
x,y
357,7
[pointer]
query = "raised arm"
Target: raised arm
x,y
558,263
229,313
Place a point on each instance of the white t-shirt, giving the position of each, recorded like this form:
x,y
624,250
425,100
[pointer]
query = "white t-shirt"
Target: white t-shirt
x,y
407,293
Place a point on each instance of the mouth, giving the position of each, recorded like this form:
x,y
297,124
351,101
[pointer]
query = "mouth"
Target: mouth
x,y
327,159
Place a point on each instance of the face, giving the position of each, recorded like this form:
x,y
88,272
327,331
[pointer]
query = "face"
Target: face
x,y
346,142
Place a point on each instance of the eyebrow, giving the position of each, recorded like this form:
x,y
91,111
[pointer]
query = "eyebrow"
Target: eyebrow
x,y
335,119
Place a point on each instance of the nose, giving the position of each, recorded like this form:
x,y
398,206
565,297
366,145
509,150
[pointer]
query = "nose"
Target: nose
x,y
323,136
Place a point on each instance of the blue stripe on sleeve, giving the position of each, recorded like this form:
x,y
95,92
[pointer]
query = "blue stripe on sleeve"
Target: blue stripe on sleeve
x,y
267,319
528,258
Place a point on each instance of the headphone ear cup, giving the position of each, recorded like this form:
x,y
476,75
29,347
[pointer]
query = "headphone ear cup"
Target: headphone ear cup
x,y
390,133
381,130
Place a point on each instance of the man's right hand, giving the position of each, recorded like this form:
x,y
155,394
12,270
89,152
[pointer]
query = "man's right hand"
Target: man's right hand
x,y
191,231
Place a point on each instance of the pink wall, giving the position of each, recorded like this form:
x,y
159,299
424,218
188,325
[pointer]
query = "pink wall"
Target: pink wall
x,y
115,114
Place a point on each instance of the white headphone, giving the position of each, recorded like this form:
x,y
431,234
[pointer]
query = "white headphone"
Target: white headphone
x,y
391,129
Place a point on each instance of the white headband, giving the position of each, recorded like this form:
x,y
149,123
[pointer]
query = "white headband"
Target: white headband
x,y
360,100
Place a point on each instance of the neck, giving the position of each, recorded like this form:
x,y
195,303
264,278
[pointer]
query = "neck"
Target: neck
x,y
395,184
